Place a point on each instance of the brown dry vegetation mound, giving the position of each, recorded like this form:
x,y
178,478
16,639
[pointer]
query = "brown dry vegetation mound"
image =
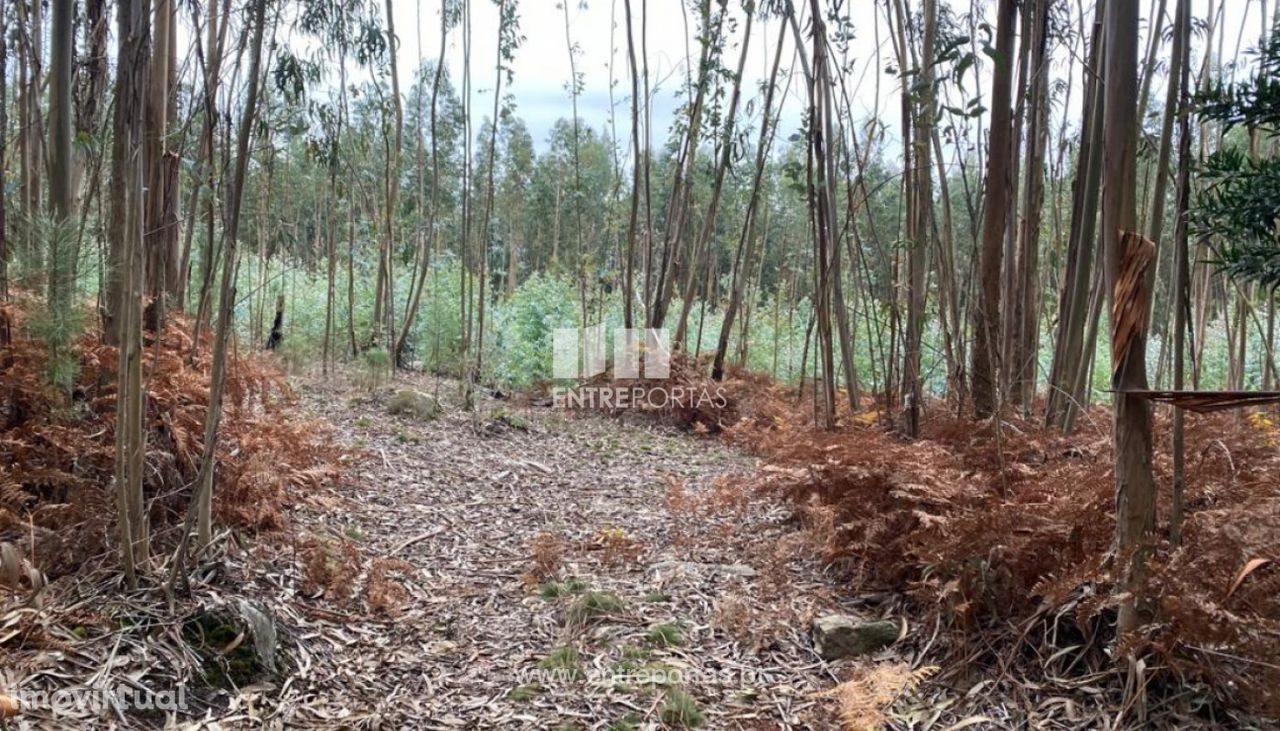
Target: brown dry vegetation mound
x,y
687,398
1007,541
57,450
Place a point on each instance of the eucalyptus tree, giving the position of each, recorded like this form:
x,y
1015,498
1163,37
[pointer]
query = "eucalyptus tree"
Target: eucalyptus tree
x,y
1025,304
917,125
703,244
449,17
1076,315
1182,264
951,61
661,276
511,207
986,315
575,86
29,37
344,28
509,39
201,499
384,309
160,229
553,190
4,175
202,178
639,162
1159,188
62,262
1134,483
123,315
743,256
133,38
819,187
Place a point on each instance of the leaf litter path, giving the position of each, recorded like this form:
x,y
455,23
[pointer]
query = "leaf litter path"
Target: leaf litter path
x,y
657,588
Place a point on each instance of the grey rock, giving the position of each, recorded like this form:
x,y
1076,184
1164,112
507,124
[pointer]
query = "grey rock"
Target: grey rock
x,y
414,404
737,569
837,636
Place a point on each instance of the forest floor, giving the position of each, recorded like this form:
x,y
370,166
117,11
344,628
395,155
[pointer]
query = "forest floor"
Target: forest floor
x,y
561,571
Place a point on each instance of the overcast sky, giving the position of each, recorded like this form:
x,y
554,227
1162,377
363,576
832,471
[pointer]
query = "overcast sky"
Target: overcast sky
x,y
597,27
542,63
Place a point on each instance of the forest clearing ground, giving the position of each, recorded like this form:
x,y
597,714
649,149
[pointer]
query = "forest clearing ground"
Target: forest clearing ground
x,y
476,502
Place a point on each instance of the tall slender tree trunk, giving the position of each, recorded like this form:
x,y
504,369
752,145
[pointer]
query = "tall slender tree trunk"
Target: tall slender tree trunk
x,y
30,123
948,288
62,262
920,224
628,264
768,126
411,308
4,174
1160,187
486,232
352,344
575,84
330,223
387,313
821,192
1027,342
201,500
1181,264
1134,483
986,324
1071,348
684,167
1011,296
160,230
703,246
217,33
128,273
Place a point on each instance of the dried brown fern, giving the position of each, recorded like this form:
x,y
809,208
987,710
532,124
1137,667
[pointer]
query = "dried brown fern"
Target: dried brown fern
x,y
385,589
58,458
864,699
329,567
1029,569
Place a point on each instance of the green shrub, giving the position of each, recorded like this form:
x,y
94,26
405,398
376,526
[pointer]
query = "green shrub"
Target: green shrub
x,y
59,332
525,324
375,368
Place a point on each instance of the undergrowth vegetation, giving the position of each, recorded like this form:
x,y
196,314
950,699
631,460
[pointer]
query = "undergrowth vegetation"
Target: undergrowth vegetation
x,y
519,326
57,421
1006,540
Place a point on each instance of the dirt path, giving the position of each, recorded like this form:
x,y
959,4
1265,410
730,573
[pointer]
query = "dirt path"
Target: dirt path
x,y
562,572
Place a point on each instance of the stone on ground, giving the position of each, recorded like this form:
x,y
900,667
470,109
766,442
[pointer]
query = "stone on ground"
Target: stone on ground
x,y
414,404
837,636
